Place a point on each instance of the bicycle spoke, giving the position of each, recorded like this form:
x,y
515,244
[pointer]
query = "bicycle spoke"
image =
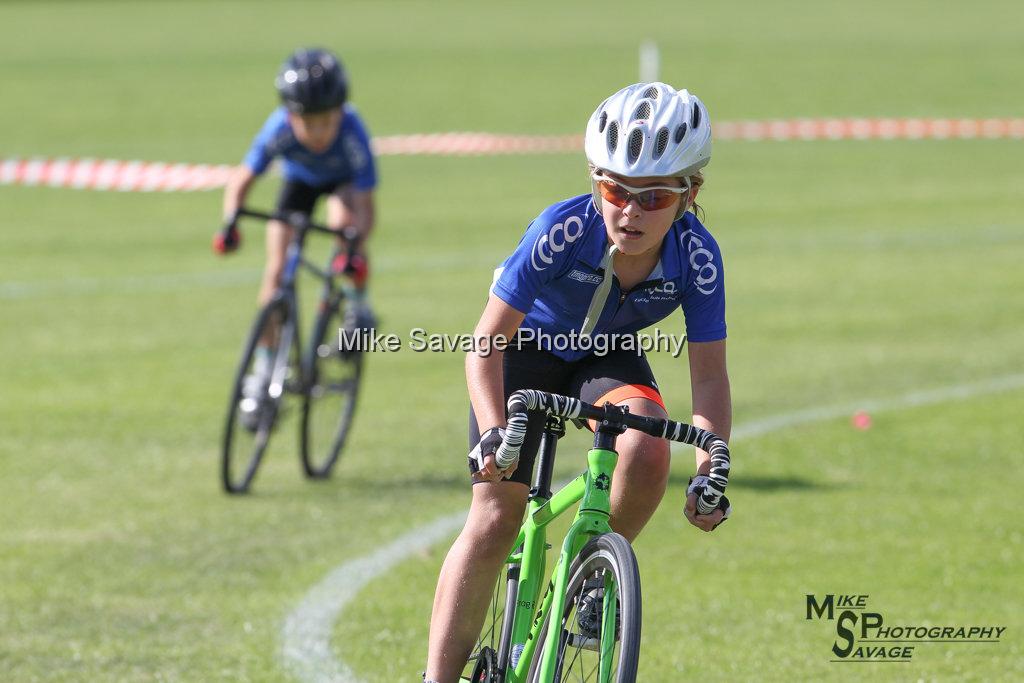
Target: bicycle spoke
x,y
494,614
488,641
579,629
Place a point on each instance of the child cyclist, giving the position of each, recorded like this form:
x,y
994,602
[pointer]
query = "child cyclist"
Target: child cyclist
x,y
326,152
610,262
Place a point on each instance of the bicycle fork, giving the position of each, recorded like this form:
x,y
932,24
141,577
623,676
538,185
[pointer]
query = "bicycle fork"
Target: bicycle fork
x,y
526,567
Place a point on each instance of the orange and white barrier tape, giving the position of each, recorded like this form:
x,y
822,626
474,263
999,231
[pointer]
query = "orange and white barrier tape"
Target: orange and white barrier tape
x,y
870,129
143,176
111,174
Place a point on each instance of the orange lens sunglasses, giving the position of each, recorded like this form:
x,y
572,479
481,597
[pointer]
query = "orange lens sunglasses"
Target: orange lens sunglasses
x,y
647,198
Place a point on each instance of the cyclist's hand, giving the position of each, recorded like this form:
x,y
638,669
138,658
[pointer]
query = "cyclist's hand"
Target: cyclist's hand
x,y
490,471
704,522
228,239
482,465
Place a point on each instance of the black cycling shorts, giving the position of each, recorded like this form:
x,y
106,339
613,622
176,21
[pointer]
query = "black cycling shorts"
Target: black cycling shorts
x,y
613,377
298,196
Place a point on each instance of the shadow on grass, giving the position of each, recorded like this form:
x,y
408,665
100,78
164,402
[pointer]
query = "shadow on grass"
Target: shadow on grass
x,y
330,488
412,481
769,484
420,481
353,488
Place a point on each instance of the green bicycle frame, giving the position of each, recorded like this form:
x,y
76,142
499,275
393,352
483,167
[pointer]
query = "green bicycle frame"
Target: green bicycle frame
x,y
592,489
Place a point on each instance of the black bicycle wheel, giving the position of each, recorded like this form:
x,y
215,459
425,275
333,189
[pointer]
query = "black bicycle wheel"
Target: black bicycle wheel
x,y
484,655
605,566
252,409
332,386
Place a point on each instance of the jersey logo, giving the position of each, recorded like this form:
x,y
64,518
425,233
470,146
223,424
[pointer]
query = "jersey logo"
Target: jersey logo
x,y
354,151
701,260
588,278
666,290
554,241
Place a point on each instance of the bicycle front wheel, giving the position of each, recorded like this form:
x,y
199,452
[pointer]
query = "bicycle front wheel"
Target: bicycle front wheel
x,y
252,408
332,386
599,629
497,624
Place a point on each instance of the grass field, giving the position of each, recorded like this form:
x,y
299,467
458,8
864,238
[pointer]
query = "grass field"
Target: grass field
x,y
856,271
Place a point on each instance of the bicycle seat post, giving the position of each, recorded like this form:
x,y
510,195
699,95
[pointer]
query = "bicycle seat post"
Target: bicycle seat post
x,y
554,429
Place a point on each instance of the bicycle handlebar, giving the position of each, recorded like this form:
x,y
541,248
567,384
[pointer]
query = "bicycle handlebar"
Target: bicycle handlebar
x,y
525,400
299,219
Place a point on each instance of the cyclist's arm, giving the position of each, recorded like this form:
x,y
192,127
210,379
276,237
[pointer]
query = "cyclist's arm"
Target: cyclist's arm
x,y
355,208
712,410
484,370
709,388
237,189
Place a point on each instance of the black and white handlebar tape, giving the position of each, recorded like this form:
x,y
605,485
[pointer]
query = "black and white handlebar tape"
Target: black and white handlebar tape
x,y
518,404
718,478
569,408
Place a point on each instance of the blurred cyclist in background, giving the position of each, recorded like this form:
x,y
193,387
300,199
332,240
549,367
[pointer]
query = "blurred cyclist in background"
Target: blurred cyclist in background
x,y
325,149
612,261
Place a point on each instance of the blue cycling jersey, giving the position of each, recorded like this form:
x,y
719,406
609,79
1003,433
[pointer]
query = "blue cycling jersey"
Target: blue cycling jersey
x,y
554,272
348,159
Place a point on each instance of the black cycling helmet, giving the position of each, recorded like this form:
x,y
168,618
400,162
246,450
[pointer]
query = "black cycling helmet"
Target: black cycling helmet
x,y
312,80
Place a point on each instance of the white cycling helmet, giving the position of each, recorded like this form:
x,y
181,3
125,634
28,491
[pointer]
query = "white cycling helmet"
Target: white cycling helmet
x,y
649,129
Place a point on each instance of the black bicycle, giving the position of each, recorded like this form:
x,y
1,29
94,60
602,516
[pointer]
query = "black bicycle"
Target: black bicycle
x,y
326,376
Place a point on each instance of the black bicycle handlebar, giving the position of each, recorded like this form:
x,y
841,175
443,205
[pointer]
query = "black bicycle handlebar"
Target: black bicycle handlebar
x,y
299,219
525,400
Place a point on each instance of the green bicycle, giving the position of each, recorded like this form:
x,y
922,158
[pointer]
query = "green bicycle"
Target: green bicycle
x,y
586,625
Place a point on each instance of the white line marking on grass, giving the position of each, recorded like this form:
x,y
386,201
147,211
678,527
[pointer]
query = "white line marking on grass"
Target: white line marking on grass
x,y
307,630
128,284
169,282
306,647
915,398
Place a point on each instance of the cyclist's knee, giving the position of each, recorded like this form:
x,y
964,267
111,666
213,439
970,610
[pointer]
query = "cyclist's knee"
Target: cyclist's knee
x,y
272,271
489,543
495,517
644,461
270,282
273,268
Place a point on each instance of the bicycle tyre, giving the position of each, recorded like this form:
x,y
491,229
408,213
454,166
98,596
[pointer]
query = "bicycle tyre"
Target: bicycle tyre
x,y
605,556
488,644
234,452
323,436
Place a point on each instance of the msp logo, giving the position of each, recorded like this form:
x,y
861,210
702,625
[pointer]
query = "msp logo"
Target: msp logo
x,y
863,636
554,241
701,260
587,278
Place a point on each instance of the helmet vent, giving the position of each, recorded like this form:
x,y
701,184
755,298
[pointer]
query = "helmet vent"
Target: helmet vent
x,y
613,136
660,143
643,111
602,122
651,92
636,145
680,133
695,117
